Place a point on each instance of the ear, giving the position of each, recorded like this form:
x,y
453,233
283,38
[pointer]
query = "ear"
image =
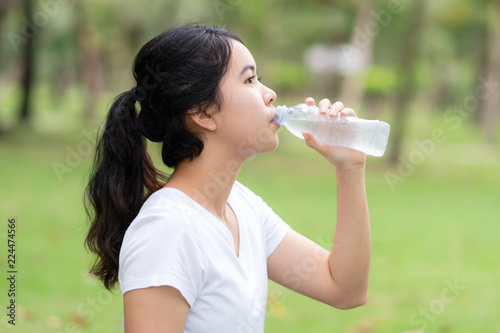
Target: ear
x,y
203,119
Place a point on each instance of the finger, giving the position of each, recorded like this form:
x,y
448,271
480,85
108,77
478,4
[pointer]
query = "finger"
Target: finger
x,y
324,105
310,101
348,112
309,139
336,108
313,143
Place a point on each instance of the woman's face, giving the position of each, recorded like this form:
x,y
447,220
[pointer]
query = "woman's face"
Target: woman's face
x,y
245,123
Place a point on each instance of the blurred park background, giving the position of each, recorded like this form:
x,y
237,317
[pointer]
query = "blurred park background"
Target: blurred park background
x,y
429,68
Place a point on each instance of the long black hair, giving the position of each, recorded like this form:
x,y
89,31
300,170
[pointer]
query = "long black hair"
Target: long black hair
x,y
175,72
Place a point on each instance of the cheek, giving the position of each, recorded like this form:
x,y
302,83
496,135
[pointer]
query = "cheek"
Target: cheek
x,y
266,137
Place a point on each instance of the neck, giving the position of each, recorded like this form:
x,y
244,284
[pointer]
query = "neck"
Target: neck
x,y
207,179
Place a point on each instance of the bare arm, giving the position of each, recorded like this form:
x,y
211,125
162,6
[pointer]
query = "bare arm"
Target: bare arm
x,y
154,310
338,277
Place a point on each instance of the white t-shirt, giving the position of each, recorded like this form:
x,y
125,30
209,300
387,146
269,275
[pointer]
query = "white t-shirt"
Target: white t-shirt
x,y
176,242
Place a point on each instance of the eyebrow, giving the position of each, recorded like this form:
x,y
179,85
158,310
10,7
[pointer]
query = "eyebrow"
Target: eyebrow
x,y
247,67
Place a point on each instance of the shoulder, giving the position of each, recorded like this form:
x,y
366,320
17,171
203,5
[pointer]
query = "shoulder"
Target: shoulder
x,y
164,213
246,199
245,194
162,247
242,191
163,228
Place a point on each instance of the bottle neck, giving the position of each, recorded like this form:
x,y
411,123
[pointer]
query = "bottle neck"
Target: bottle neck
x,y
281,112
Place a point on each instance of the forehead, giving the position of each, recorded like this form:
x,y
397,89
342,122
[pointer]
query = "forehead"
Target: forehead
x,y
240,57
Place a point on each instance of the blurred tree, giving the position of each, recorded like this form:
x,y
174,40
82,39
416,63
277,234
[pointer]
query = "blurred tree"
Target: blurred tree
x,y
91,45
489,105
409,56
459,27
28,66
90,63
353,86
296,26
119,31
4,7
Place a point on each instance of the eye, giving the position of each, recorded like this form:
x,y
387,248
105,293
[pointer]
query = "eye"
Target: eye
x,y
252,78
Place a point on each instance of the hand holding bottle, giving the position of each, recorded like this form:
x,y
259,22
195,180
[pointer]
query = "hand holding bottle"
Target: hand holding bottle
x,y
340,157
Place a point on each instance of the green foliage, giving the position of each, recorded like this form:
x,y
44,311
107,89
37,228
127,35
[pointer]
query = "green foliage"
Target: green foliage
x,y
275,31
381,80
288,75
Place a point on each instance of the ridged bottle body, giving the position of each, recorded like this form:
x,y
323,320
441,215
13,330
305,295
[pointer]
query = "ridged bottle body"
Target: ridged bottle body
x,y
367,136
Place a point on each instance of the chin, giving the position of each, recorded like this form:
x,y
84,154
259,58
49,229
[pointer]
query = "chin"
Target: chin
x,y
263,143
277,143
274,145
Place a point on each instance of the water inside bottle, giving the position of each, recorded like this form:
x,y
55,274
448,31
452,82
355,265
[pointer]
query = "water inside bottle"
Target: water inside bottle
x,y
343,132
297,126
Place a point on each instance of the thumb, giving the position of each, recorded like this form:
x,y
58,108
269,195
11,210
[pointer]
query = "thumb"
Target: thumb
x,y
313,143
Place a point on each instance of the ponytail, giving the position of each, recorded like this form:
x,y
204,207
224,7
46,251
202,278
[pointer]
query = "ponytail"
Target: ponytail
x,y
123,176
177,71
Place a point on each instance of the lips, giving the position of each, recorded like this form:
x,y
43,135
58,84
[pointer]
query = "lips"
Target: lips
x,y
274,115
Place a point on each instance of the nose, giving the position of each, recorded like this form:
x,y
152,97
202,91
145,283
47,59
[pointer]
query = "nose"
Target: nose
x,y
269,96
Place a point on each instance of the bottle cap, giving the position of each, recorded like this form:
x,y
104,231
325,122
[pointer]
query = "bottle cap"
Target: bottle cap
x,y
280,114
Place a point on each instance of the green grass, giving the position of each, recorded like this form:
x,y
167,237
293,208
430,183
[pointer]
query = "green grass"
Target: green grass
x,y
437,226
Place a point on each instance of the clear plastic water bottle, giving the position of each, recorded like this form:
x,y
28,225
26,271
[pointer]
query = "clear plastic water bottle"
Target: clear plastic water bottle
x,y
367,136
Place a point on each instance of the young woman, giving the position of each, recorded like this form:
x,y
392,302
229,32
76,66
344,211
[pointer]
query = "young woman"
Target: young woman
x,y
194,253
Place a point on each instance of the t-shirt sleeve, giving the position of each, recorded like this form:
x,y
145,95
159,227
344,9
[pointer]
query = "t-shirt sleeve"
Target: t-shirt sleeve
x,y
160,249
274,227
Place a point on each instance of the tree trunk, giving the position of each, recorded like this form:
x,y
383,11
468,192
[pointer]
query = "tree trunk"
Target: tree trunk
x,y
489,100
409,55
353,85
91,67
3,11
28,67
